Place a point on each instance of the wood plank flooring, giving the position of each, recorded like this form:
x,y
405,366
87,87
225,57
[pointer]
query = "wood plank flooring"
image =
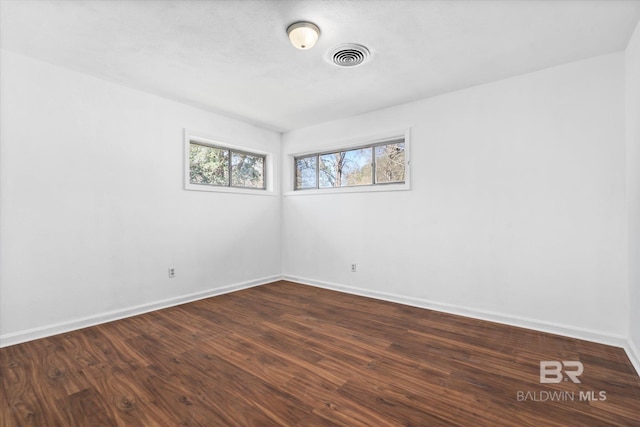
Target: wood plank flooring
x,y
293,355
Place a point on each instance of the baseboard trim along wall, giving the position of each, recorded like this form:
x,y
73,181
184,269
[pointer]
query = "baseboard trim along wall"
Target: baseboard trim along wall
x,y
568,331
633,354
584,334
71,325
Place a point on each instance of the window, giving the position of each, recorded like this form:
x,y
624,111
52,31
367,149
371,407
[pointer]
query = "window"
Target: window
x,y
374,164
213,166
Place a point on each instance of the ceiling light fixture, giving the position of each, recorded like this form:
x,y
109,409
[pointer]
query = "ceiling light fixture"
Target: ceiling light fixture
x,y
303,35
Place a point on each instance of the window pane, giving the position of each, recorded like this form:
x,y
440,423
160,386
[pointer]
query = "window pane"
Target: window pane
x,y
390,162
356,168
247,170
306,172
208,165
331,169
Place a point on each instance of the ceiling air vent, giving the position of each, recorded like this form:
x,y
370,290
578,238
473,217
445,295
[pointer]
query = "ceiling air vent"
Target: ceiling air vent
x,y
348,55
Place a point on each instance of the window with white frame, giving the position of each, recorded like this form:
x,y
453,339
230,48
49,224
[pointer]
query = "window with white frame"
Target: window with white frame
x,y
214,166
374,164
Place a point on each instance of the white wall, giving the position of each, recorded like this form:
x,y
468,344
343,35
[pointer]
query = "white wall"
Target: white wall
x,y
516,213
93,210
633,186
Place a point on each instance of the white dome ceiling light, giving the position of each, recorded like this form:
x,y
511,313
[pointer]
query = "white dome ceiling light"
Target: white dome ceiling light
x,y
303,35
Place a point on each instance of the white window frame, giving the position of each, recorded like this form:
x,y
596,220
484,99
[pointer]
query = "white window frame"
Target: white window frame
x,y
349,145
199,138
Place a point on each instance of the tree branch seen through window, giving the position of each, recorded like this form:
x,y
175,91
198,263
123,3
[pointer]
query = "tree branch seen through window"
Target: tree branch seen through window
x,y
211,165
381,163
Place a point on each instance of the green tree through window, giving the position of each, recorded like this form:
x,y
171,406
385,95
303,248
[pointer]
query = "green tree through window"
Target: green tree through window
x,y
211,165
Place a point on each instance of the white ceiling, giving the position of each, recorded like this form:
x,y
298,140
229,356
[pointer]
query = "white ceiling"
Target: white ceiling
x,y
234,58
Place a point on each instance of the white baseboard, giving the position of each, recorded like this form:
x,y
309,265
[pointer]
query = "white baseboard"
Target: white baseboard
x,y
596,336
71,325
522,322
633,354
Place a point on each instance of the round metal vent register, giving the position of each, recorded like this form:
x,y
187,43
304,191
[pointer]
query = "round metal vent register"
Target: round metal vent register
x,y
349,55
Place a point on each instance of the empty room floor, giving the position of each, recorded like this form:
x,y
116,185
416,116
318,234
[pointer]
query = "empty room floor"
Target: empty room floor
x,y
294,355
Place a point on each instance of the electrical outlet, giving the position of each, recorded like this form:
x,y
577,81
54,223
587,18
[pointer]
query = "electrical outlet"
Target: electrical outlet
x,y
172,272
353,268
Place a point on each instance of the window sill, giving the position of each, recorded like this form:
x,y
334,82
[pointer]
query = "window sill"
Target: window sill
x,y
232,190
356,189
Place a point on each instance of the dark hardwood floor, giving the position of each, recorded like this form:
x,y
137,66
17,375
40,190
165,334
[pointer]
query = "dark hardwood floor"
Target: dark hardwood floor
x,y
294,355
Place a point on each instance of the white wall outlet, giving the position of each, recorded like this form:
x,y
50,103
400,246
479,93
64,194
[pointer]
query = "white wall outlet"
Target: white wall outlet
x,y
172,272
353,268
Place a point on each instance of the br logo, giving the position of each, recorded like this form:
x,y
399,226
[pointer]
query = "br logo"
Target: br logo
x,y
551,371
